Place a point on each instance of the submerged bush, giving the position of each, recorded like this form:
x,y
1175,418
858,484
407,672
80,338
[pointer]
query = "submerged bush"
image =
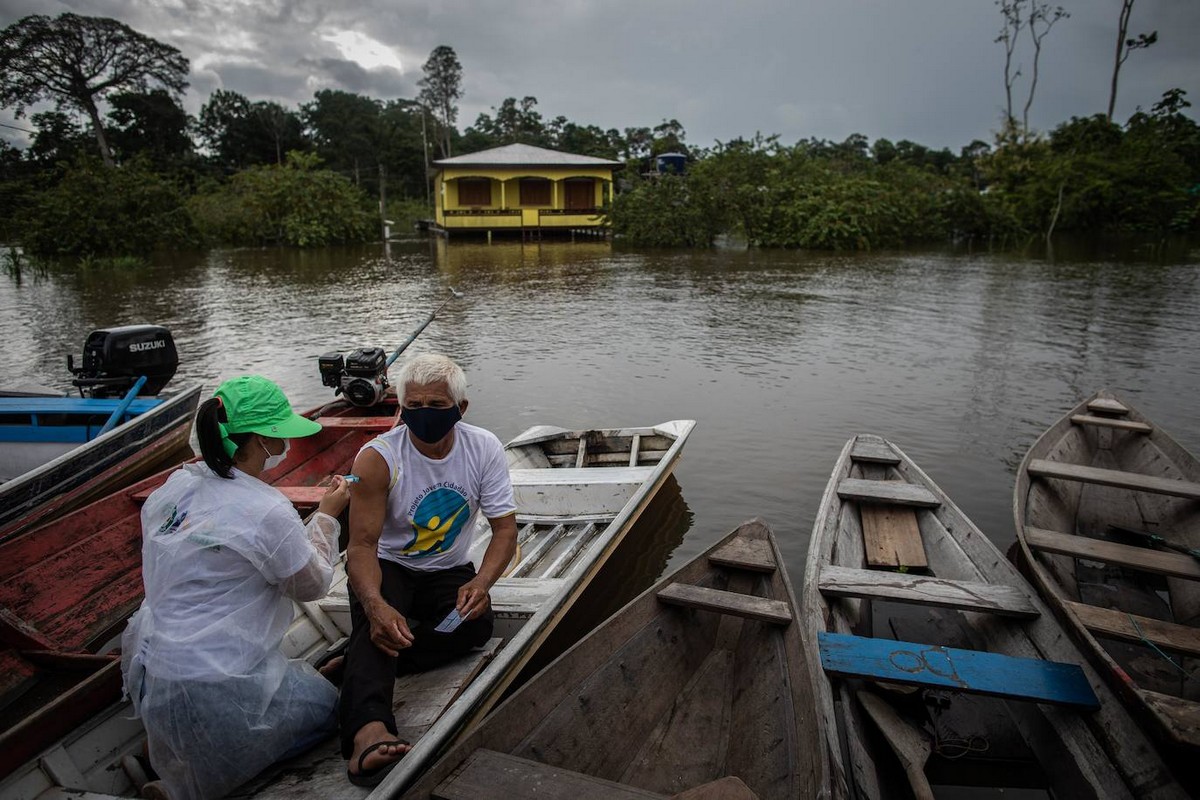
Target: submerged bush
x,y
91,211
294,204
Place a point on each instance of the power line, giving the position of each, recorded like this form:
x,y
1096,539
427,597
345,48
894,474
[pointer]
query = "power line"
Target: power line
x,y
16,128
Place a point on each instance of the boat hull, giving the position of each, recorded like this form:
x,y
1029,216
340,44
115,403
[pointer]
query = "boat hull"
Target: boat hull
x,y
67,480
1084,587
665,696
963,601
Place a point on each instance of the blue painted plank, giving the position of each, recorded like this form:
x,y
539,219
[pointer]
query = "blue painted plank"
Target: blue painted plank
x,y
73,405
52,434
969,671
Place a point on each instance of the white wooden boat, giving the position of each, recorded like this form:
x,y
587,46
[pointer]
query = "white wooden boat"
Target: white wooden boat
x,y
902,590
699,682
578,494
1107,508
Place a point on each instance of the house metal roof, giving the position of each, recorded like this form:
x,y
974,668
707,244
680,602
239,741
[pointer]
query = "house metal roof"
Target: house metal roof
x,y
524,155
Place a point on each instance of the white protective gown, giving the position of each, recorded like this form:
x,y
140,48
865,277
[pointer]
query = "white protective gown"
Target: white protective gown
x,y
222,561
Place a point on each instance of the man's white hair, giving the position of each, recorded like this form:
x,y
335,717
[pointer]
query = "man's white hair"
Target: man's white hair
x,y
430,368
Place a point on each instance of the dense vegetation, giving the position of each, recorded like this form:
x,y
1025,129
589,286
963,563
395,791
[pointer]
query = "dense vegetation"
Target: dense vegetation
x,y
147,175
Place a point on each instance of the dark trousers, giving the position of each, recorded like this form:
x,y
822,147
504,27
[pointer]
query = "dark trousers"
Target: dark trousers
x,y
424,598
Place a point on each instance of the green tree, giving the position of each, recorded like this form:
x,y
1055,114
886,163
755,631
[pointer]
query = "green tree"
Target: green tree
x,y
59,137
239,133
441,88
76,61
94,211
296,204
152,124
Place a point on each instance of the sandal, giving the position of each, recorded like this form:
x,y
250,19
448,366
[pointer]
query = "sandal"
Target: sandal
x,y
373,777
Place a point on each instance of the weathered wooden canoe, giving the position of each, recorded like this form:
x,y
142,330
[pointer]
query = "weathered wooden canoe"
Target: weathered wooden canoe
x,y
901,590
54,459
1106,504
578,494
700,678
68,586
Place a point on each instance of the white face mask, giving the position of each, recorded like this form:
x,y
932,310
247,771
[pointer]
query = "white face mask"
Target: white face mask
x,y
274,461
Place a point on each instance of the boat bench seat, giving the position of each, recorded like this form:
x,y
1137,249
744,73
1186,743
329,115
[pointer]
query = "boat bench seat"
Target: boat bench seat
x,y
1110,422
752,555
1112,477
576,491
722,602
487,773
968,671
989,598
1111,623
896,493
1176,565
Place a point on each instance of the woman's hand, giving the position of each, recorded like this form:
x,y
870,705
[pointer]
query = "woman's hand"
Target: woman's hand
x,y
336,498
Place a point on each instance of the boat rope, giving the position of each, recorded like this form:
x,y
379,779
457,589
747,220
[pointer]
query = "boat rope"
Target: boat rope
x,y
1187,675
953,745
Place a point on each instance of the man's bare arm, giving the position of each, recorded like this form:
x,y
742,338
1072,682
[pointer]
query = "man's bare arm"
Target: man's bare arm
x,y
473,595
368,506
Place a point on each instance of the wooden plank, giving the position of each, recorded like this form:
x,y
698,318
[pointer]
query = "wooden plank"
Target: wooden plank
x,y
1107,405
487,773
634,446
926,591
1181,717
566,476
581,456
873,452
603,459
1134,628
969,671
892,537
750,554
1109,422
1143,558
889,492
363,424
1112,477
16,632
735,603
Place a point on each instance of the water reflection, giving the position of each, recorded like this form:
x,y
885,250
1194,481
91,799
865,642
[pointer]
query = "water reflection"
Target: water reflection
x,y
962,359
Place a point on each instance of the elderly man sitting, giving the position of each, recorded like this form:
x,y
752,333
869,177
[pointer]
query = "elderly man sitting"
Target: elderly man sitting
x,y
412,515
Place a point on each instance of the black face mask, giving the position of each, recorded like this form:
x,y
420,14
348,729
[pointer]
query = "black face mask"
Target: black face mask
x,y
430,425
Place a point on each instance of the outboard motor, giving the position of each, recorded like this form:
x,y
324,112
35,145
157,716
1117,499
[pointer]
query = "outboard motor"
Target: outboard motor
x,y
360,375
114,358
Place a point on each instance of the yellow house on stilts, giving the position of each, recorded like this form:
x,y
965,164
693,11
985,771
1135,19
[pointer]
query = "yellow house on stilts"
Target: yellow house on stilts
x,y
523,190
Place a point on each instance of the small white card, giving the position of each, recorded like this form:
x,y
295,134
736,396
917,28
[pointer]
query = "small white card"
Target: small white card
x,y
452,621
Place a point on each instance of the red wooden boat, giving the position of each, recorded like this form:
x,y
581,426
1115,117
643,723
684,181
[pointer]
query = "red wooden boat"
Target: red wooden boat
x,y
68,586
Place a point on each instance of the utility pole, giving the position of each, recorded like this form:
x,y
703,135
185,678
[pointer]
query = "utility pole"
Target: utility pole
x,y
425,149
383,200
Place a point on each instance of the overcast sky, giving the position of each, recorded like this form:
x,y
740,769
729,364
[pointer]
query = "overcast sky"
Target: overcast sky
x,y
925,70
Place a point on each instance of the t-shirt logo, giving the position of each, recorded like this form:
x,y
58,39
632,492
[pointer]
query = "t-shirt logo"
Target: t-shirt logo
x,y
439,518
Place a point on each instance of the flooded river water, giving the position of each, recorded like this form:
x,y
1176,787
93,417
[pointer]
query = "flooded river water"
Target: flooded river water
x,y
960,359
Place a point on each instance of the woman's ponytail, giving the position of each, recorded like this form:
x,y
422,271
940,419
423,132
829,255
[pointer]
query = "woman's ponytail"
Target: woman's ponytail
x,y
208,432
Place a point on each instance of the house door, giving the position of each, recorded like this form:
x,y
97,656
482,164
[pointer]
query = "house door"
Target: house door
x,y
580,193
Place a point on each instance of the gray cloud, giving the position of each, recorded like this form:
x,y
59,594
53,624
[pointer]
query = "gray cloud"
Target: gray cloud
x,y
927,71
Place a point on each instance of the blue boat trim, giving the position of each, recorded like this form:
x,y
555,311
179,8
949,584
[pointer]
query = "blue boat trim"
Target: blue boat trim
x,y
74,405
969,671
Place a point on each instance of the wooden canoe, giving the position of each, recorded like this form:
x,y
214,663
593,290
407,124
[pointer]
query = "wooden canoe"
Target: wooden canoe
x,y
50,469
68,586
572,513
701,678
939,663
1105,503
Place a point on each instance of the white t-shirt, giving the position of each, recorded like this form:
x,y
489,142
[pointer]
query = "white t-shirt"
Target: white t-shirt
x,y
432,504
214,552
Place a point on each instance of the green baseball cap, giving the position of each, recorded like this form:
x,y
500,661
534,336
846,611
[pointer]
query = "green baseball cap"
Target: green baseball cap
x,y
254,404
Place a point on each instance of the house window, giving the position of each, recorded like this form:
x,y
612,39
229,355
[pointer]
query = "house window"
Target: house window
x,y
581,193
474,192
535,192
